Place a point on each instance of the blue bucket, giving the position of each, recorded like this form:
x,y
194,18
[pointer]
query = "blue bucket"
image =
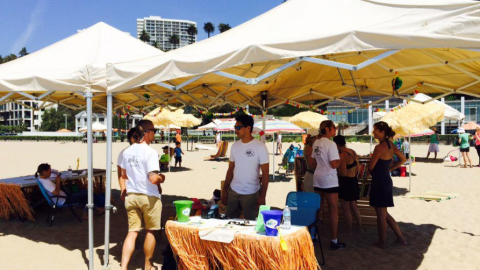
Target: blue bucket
x,y
272,219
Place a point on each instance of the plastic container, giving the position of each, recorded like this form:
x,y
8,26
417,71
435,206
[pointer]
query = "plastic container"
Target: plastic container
x,y
403,171
272,219
287,218
183,209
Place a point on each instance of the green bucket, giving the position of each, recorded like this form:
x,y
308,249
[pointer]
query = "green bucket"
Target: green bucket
x,y
183,210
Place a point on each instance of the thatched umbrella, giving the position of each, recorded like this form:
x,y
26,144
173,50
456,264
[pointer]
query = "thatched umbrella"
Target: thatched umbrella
x,y
64,130
308,120
470,126
414,119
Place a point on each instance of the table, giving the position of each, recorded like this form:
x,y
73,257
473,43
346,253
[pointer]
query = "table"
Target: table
x,y
13,191
248,250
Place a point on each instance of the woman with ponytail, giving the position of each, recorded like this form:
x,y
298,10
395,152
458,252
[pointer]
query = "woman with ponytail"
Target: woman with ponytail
x,y
381,195
325,161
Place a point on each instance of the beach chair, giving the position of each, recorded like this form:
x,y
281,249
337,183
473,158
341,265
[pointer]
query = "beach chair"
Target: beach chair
x,y
221,153
305,208
54,206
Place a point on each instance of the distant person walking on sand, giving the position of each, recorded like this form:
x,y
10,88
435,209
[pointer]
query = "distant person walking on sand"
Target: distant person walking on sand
x,y
218,138
162,136
242,190
178,137
464,141
141,168
279,144
349,192
406,149
477,144
178,154
433,144
325,160
381,193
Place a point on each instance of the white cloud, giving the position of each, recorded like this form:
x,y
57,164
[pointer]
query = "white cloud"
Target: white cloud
x,y
35,20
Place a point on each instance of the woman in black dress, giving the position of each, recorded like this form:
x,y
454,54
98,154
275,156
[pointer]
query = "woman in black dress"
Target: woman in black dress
x,y
349,192
381,195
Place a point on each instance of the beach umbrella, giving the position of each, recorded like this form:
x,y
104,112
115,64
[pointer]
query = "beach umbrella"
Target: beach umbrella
x,y
64,130
208,126
308,120
414,118
226,126
97,126
279,126
470,126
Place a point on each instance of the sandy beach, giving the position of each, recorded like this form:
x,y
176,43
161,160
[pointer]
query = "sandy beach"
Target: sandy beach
x,y
441,235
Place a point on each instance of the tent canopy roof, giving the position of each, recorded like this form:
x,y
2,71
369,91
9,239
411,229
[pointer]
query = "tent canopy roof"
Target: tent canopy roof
x,y
74,63
299,59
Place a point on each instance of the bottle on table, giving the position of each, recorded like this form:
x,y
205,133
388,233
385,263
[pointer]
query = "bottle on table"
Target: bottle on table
x,y
287,218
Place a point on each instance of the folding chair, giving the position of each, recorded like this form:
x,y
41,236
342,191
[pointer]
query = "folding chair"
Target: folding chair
x,y
221,154
305,207
54,206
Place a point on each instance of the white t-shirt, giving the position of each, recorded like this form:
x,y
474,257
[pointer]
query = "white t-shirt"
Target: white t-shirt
x,y
406,147
218,137
120,158
279,138
324,151
138,161
247,157
50,186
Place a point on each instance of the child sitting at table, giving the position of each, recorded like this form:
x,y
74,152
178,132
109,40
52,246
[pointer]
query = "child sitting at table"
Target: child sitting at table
x,y
44,171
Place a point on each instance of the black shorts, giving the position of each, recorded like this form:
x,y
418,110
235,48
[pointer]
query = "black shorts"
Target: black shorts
x,y
467,149
178,159
327,190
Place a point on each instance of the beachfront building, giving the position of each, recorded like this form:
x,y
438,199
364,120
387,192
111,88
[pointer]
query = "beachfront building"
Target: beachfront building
x,y
160,30
23,113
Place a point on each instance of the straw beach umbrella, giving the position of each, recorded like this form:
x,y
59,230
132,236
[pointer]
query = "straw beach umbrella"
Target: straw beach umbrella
x,y
470,126
308,120
414,118
64,130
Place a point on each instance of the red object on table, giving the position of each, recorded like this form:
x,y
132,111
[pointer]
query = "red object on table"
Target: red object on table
x,y
403,171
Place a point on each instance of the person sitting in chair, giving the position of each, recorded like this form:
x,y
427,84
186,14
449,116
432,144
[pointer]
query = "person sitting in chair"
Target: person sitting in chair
x,y
44,171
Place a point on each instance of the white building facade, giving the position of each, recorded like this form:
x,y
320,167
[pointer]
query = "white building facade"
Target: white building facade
x,y
15,114
161,30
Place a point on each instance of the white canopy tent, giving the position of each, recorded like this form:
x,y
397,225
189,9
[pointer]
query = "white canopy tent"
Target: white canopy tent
x,y
97,126
69,73
208,126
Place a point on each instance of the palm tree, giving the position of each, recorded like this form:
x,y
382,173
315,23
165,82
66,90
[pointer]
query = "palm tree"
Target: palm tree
x,y
209,28
145,37
174,39
192,31
1,59
155,44
23,52
224,27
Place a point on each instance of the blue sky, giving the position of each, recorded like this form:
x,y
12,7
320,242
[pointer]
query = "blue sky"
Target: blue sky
x,y
38,23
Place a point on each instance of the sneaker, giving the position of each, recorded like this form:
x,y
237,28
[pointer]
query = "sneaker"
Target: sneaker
x,y
337,246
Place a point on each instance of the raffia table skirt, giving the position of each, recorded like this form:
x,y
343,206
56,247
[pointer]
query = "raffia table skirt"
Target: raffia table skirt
x,y
246,251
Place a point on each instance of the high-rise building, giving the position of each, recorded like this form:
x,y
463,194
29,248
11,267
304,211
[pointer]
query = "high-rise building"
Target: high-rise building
x,y
161,30
14,114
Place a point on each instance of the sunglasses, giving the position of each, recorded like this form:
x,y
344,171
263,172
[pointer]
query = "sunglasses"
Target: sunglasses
x,y
238,127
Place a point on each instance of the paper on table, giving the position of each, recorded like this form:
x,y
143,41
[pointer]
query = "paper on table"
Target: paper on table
x,y
220,234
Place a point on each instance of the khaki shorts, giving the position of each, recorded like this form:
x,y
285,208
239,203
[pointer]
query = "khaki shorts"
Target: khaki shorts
x,y
238,202
144,212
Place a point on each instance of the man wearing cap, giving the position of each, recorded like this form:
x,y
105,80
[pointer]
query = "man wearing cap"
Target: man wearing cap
x,y
141,193
242,190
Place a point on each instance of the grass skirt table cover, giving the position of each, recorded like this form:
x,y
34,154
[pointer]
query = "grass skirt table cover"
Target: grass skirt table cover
x,y
246,251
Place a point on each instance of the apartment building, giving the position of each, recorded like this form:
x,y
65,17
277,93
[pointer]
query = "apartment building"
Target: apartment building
x,y
161,30
15,114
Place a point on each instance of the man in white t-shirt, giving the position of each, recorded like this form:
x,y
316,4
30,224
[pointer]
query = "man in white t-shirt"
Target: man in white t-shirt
x,y
279,144
141,193
131,140
242,190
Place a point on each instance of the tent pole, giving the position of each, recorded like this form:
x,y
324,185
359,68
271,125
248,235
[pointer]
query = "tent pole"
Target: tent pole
x,y
88,97
108,183
409,164
273,151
